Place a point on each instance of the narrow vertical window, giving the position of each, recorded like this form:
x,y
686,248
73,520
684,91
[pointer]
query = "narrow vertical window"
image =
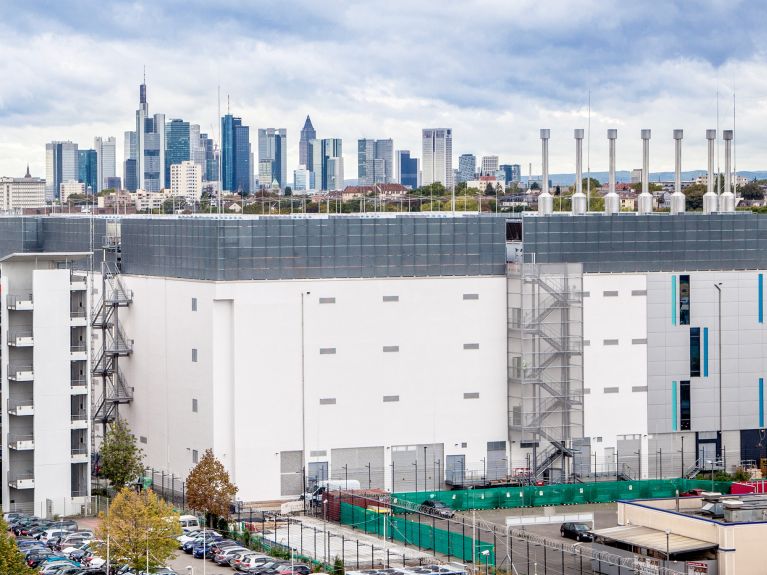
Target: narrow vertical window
x,y
673,300
705,352
694,352
194,354
761,298
674,407
761,402
194,304
684,300
685,407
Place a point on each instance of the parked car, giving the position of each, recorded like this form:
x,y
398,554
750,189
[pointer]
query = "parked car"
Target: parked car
x,y
239,557
223,556
251,562
37,556
265,567
295,569
437,508
577,531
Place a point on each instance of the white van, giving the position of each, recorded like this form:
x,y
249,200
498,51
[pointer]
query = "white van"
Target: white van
x,y
189,523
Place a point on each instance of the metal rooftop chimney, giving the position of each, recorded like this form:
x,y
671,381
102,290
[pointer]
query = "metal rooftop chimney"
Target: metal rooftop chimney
x,y
710,199
545,200
578,202
644,203
612,202
727,199
678,199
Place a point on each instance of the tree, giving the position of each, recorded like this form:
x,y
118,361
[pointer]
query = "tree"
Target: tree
x,y
694,195
595,185
208,488
141,527
489,189
11,560
288,191
170,205
121,458
535,186
751,191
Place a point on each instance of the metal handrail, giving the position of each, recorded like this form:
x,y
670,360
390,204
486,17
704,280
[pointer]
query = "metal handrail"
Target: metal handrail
x,y
79,451
78,312
21,475
13,299
79,416
14,403
20,331
13,368
78,347
17,438
78,383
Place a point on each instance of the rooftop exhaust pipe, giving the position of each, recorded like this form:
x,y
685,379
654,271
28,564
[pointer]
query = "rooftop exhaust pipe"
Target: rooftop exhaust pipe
x,y
545,200
710,199
727,199
678,199
644,204
578,202
612,202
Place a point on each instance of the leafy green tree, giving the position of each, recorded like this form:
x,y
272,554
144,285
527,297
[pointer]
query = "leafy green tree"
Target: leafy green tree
x,y
288,191
535,186
489,189
694,195
121,458
751,191
208,487
651,187
141,528
595,184
11,560
338,566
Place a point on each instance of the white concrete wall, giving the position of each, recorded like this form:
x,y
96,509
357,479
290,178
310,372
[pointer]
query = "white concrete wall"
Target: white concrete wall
x,y
614,309
249,390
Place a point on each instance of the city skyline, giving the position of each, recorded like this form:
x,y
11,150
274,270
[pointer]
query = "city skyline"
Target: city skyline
x,y
645,69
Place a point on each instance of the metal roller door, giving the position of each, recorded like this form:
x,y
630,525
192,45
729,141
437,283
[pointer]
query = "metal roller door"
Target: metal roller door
x,y
416,469
365,464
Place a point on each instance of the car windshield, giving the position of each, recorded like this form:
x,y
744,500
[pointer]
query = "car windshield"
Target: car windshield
x,y
580,527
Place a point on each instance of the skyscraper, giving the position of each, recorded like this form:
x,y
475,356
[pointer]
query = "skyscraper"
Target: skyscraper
x,y
489,165
235,155
87,170
177,144
375,162
512,172
150,146
438,156
467,167
61,160
272,157
210,173
326,158
406,169
308,133
106,161
130,175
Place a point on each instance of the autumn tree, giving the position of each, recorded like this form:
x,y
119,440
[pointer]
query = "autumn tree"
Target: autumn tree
x,y
11,560
208,487
140,528
121,458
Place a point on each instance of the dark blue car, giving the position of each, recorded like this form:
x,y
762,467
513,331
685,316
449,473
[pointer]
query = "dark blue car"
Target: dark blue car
x,y
203,552
190,545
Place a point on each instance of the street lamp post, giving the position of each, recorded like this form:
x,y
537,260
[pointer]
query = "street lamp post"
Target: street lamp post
x,y
369,481
416,474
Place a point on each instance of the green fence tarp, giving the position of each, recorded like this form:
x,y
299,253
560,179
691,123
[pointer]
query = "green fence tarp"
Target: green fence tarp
x,y
561,494
423,535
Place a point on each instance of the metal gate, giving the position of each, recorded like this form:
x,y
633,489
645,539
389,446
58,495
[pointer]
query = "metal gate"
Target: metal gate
x,y
497,462
417,467
455,469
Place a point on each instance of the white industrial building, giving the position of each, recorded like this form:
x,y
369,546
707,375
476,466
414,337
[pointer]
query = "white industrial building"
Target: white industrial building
x,y
19,193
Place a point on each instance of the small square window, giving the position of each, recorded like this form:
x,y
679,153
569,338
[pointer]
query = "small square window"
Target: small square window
x,y
194,354
194,304
142,439
195,456
194,405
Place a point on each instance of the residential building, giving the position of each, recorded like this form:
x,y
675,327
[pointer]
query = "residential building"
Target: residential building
x,y
178,145
303,180
46,346
150,201
186,181
61,165
467,167
88,170
308,133
130,164
489,165
106,161
512,173
236,156
407,169
437,157
375,161
19,193
70,188
636,175
272,157
150,146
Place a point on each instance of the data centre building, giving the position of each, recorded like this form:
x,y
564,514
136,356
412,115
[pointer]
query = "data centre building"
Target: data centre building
x,y
413,352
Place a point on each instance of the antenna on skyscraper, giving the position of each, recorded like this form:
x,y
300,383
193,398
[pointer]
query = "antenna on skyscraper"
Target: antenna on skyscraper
x,y
144,73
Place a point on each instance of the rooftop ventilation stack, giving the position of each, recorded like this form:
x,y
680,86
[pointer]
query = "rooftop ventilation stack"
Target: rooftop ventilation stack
x,y
612,202
545,200
644,203
727,199
678,198
710,199
579,202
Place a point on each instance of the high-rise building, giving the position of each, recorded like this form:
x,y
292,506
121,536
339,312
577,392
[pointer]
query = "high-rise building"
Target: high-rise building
x,y
177,144
272,157
106,161
20,193
130,175
406,169
150,146
61,165
375,162
186,181
308,133
327,157
71,188
210,173
489,165
303,180
314,159
467,167
87,170
512,172
437,158
235,155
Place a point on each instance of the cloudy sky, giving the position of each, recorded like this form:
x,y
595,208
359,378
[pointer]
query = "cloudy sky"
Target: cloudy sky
x,y
496,71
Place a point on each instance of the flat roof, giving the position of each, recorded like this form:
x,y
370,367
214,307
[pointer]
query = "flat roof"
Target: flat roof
x,y
46,256
654,539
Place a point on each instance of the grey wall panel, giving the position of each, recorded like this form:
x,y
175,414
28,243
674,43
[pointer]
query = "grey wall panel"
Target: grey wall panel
x,y
353,462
